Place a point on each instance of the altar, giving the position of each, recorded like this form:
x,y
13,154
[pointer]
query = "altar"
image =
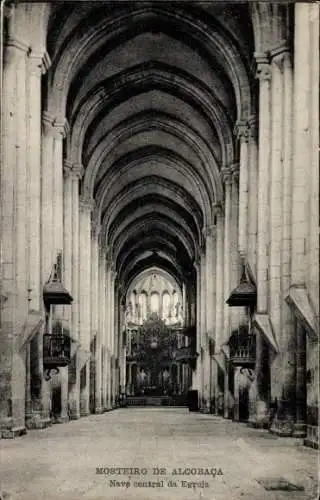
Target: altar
x,y
153,368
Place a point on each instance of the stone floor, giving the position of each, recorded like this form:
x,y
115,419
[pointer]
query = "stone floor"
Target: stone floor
x,y
60,463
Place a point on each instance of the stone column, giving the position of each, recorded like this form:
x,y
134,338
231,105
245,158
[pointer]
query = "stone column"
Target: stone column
x,y
37,65
203,292
48,253
117,337
276,181
263,239
196,380
264,75
108,376
203,323
226,401
21,303
235,261
60,131
192,296
108,368
287,340
283,367
237,388
67,265
86,207
214,283
207,310
210,279
14,59
111,362
234,281
219,273
210,307
227,178
313,244
28,396
260,389
21,221
253,196
74,369
215,389
102,319
242,133
95,312
112,336
301,386
301,144
122,351
275,206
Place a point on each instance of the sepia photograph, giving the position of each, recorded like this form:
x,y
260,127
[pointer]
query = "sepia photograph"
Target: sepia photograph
x,y
159,250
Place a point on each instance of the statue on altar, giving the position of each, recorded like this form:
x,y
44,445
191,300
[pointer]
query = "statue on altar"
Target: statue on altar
x,y
142,379
165,380
129,313
179,313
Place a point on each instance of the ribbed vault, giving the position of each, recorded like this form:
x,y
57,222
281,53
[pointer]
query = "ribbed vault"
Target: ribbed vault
x,y
152,92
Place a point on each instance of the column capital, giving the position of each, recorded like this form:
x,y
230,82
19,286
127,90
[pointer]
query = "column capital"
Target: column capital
x,y
202,246
235,176
86,204
78,170
61,128
73,170
102,250
210,230
112,268
242,130
234,169
262,66
14,47
53,126
226,175
39,62
279,53
217,209
196,263
67,167
253,124
117,283
95,228
48,120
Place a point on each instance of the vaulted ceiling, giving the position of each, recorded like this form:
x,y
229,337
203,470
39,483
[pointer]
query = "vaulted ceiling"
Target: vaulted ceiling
x,y
152,92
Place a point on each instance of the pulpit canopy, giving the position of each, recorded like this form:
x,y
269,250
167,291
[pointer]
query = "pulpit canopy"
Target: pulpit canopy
x,y
245,294
55,293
